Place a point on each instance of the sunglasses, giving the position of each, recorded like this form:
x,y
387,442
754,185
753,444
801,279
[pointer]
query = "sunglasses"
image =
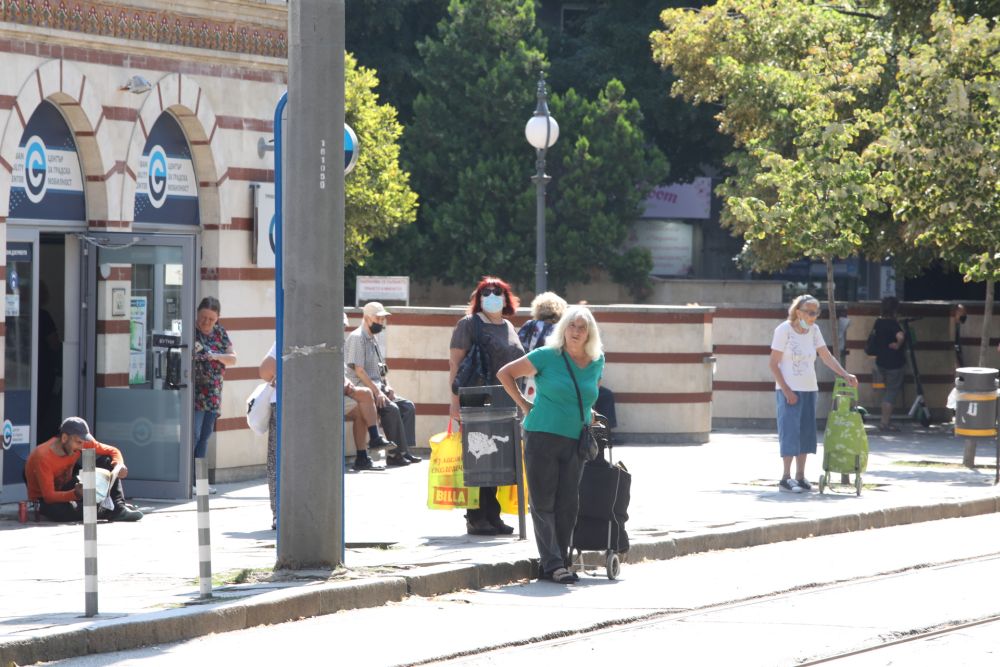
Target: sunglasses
x,y
497,291
810,313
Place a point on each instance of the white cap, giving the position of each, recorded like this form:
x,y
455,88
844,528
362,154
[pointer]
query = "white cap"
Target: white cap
x,y
375,309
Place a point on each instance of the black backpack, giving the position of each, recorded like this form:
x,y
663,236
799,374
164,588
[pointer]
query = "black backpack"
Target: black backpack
x,y
870,348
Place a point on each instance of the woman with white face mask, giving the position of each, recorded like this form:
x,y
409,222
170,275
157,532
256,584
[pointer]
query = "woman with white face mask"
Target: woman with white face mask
x,y
491,303
794,347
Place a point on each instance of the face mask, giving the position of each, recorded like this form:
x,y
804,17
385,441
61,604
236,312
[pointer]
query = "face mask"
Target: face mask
x,y
376,327
962,319
493,303
804,324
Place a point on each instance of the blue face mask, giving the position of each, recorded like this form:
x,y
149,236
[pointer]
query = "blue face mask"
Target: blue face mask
x,y
804,324
492,303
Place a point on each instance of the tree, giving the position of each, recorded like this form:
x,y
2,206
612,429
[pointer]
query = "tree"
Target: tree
x,y
383,35
603,173
378,198
798,87
472,164
612,42
942,149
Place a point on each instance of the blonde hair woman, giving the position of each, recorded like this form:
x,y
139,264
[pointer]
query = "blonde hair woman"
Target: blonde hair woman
x,y
794,347
572,360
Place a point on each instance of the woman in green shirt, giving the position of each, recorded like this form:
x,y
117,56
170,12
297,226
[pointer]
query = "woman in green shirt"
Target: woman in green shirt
x,y
552,427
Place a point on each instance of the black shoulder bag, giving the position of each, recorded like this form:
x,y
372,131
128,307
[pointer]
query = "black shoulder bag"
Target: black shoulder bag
x,y
586,448
474,370
870,348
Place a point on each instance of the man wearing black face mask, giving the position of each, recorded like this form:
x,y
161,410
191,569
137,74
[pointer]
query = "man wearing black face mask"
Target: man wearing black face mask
x,y
364,354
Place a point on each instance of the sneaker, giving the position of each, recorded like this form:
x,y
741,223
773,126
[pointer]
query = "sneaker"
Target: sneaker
x,y
366,464
125,513
804,484
789,485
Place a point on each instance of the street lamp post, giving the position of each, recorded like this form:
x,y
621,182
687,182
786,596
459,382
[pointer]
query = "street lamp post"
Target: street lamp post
x,y
541,131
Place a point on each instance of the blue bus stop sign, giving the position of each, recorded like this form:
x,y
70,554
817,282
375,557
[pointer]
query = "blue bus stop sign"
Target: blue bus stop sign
x,y
350,149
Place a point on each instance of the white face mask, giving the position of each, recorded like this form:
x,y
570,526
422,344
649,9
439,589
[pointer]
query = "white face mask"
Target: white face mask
x,y
492,303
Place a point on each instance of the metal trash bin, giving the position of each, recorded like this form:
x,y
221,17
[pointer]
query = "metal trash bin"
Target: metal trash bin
x,y
976,402
490,435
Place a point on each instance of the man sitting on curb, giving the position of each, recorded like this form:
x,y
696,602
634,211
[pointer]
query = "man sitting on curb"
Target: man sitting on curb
x,y
52,469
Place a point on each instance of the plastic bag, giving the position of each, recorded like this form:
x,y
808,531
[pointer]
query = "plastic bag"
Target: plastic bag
x,y
445,480
259,408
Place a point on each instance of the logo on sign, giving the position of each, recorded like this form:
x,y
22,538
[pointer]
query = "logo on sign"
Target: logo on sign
x,y
8,433
157,176
36,169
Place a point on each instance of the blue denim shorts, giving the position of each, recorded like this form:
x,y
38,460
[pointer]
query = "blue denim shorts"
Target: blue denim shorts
x,y
797,423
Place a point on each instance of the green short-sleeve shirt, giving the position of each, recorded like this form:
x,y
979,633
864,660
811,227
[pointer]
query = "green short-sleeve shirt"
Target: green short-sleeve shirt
x,y
556,409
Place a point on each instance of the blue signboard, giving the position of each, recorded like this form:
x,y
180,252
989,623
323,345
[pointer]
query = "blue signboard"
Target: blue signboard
x,y
46,181
166,190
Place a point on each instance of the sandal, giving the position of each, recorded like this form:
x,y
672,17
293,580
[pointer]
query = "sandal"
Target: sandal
x,y
562,576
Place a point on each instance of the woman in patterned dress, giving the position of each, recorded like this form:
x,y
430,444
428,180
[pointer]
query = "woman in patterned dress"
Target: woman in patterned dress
x,y
213,352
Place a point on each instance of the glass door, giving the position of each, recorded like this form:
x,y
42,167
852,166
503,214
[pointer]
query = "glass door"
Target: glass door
x,y
141,387
20,370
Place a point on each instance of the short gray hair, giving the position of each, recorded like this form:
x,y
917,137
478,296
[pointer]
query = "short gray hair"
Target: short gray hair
x,y
547,305
594,348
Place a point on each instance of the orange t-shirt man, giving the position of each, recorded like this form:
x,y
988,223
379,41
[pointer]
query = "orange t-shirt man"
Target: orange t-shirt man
x,y
49,473
49,469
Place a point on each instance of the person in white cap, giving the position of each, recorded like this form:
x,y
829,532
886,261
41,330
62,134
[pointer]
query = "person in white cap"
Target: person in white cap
x,y
53,467
364,355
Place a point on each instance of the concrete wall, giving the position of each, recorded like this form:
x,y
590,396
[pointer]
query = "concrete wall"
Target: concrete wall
x,y
666,292
658,365
744,389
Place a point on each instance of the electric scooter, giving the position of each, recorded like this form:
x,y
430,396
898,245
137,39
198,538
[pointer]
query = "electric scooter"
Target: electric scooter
x,y
919,409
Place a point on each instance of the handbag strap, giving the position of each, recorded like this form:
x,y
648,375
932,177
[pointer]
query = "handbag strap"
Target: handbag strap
x,y
572,375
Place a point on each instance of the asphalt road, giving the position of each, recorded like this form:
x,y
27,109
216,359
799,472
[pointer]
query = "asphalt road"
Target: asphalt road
x,y
781,604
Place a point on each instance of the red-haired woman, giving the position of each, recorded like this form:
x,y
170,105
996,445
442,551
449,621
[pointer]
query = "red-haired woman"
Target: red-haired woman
x,y
490,303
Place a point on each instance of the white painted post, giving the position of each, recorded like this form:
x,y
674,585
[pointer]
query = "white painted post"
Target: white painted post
x,y
204,534
89,481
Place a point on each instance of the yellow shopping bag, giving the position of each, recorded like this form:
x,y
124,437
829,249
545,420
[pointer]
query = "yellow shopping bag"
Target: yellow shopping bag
x,y
445,480
507,495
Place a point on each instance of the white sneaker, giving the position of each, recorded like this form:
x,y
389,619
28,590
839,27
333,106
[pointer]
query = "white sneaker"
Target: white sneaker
x,y
789,485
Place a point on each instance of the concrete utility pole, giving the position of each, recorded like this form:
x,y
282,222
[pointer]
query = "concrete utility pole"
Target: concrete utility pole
x,y
312,458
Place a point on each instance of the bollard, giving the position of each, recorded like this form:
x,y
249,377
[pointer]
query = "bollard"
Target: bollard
x,y
204,535
89,481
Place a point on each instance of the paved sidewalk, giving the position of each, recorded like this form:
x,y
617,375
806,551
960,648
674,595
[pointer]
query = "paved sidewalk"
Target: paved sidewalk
x,y
685,499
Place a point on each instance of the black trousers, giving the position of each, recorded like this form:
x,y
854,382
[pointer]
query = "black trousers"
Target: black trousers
x,y
65,512
489,506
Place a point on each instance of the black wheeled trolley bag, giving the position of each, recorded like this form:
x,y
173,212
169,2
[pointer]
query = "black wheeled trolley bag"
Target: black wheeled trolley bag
x,y
605,491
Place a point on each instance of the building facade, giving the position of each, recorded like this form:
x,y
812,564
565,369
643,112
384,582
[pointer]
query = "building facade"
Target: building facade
x,y
128,158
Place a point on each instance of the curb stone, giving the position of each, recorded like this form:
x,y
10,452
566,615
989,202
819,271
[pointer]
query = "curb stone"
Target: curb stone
x,y
138,630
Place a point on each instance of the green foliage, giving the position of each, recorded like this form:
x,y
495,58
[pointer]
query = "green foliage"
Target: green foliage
x,y
796,82
378,198
942,145
603,174
612,42
472,164
383,35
